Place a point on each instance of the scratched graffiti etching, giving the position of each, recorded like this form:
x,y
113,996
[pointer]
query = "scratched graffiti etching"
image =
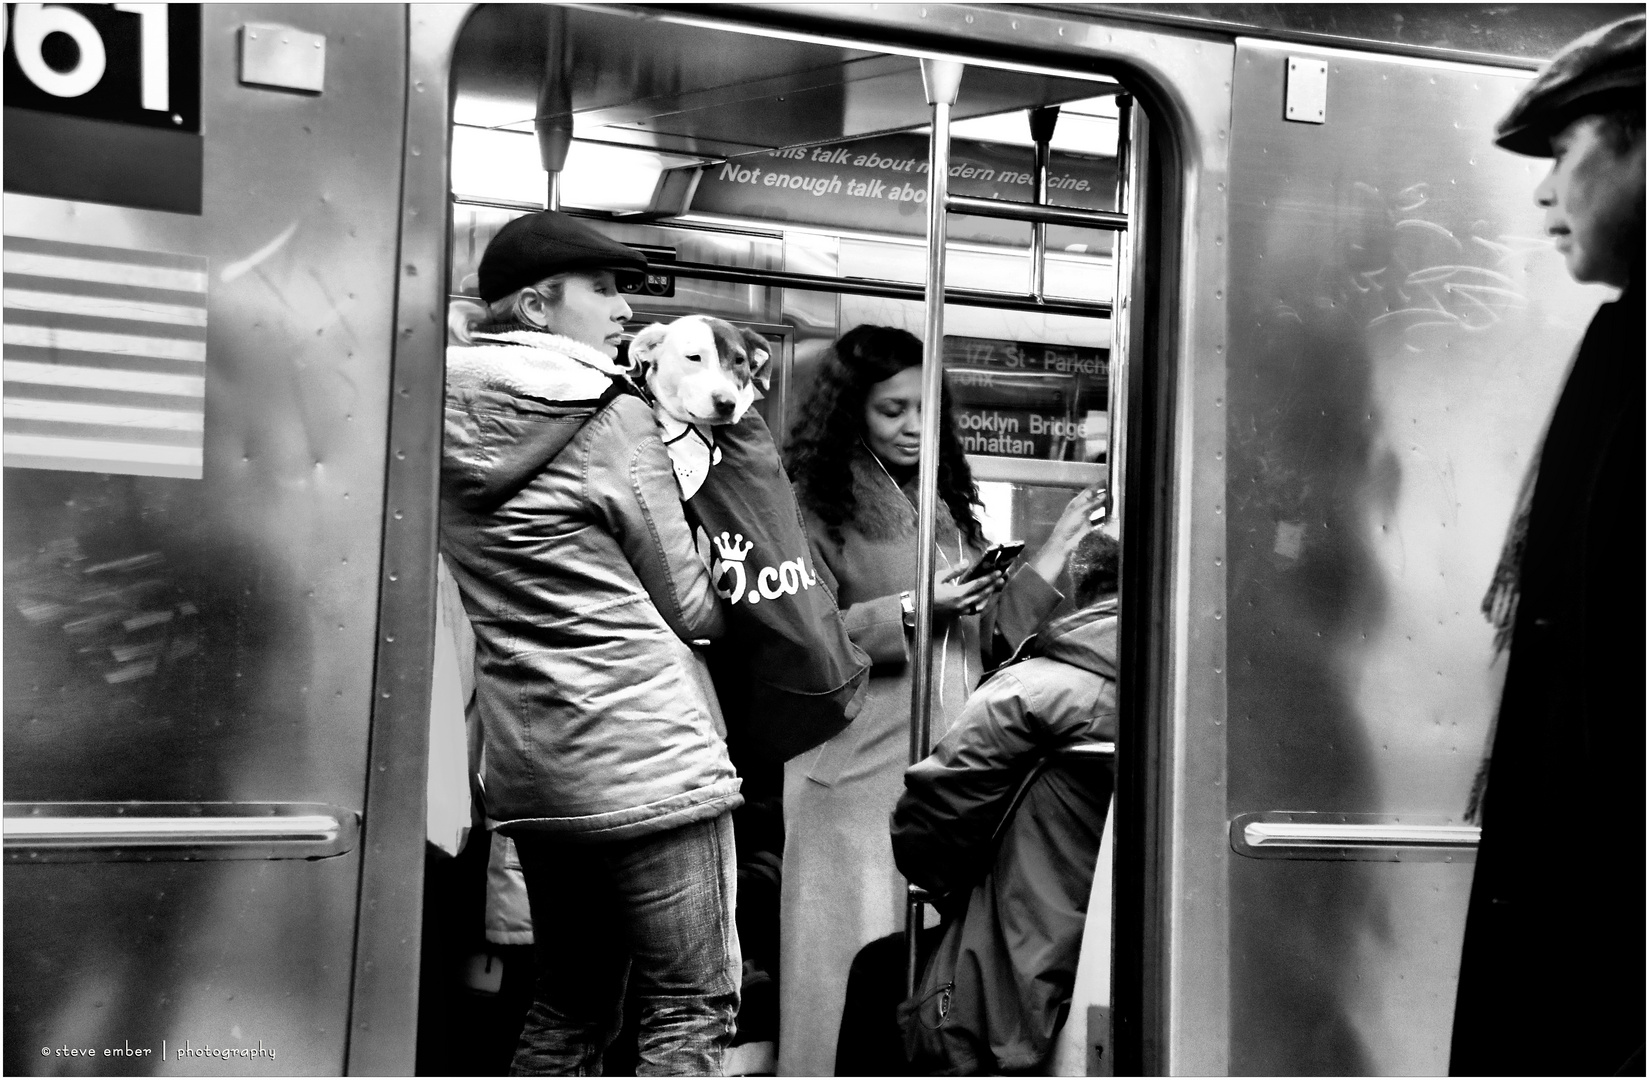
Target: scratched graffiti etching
x,y
1436,282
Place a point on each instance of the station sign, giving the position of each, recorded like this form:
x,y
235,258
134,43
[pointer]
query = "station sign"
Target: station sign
x,y
1029,399
880,184
103,103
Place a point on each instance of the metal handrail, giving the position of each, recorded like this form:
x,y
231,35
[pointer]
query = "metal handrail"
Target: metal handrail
x,y
893,290
1297,836
77,831
941,80
975,206
57,833
1116,405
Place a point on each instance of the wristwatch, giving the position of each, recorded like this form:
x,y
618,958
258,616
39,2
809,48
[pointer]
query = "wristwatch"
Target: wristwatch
x,y
907,609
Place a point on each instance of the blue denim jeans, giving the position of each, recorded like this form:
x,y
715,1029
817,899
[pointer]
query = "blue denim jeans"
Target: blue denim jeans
x,y
651,917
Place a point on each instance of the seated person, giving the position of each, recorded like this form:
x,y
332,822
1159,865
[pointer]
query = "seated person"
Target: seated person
x,y
1002,824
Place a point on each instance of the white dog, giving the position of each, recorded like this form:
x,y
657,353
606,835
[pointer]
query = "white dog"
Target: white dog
x,y
700,372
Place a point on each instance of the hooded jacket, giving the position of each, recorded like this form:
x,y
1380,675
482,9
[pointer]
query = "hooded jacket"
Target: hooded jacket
x,y
563,528
1005,830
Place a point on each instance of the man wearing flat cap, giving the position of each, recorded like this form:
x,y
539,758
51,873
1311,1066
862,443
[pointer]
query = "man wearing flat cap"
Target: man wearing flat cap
x,y
1552,973
605,758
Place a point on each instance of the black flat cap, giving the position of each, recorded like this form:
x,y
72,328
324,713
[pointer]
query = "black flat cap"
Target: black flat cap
x,y
1594,73
535,246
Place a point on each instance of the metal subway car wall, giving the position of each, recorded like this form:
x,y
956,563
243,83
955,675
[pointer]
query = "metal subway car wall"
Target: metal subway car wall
x,y
189,659
1397,337
1337,339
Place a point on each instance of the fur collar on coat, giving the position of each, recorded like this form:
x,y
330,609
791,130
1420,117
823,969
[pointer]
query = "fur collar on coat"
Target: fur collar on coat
x,y
533,364
883,508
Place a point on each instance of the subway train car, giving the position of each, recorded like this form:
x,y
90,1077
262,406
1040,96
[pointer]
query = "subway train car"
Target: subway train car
x,y
1258,268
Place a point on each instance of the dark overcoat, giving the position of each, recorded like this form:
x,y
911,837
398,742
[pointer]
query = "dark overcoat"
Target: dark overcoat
x,y
1552,975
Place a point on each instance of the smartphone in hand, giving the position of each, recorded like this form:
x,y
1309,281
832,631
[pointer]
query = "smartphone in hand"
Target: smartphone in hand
x,y
997,557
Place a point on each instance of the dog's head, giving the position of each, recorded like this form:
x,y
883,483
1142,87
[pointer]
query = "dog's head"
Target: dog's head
x,y
700,369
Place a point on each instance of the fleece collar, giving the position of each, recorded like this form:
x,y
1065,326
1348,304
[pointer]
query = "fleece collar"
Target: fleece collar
x,y
532,363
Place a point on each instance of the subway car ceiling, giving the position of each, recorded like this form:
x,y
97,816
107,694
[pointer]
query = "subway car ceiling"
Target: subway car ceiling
x,y
635,81
643,97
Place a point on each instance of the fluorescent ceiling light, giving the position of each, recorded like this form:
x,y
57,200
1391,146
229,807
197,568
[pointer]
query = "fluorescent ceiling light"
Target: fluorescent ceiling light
x,y
497,166
476,110
504,166
1084,127
602,177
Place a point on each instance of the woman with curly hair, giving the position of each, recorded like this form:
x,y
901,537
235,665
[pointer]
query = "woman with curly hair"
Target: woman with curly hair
x,y
853,459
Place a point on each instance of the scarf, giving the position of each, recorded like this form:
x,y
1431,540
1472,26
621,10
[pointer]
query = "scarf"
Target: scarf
x,y
1568,431
1500,609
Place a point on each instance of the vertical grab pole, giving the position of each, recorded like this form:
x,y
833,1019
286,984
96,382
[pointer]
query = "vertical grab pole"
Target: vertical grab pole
x,y
941,79
1122,264
1042,133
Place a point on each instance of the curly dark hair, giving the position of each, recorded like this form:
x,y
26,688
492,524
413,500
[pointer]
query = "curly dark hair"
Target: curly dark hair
x,y
1094,565
831,426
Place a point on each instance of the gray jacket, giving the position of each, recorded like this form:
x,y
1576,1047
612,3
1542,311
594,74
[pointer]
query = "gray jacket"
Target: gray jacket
x,y
561,522
999,985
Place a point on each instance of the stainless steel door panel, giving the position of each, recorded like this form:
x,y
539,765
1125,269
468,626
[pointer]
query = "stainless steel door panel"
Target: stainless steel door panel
x,y
267,566
1398,332
217,955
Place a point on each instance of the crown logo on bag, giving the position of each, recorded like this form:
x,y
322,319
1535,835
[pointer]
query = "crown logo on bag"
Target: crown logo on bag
x,y
734,549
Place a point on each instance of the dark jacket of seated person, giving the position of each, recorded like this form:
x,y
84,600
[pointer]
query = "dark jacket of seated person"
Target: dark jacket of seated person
x,y
1002,822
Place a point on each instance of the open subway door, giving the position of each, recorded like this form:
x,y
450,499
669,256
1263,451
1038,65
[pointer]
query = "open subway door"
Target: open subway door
x,y
200,270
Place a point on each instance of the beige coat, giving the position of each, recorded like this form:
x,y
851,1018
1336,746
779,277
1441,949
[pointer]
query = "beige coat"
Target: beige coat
x,y
841,890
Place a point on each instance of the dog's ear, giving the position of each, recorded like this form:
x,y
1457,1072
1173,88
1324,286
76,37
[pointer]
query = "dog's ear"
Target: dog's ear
x,y
644,347
761,360
463,316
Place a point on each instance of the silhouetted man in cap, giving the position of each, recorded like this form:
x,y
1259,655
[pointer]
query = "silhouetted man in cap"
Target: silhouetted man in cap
x,y
1552,976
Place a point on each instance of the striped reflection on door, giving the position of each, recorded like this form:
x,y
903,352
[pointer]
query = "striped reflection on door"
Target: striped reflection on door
x,y
105,358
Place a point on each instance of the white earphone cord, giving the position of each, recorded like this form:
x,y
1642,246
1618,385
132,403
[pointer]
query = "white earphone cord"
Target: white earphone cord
x,y
961,558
